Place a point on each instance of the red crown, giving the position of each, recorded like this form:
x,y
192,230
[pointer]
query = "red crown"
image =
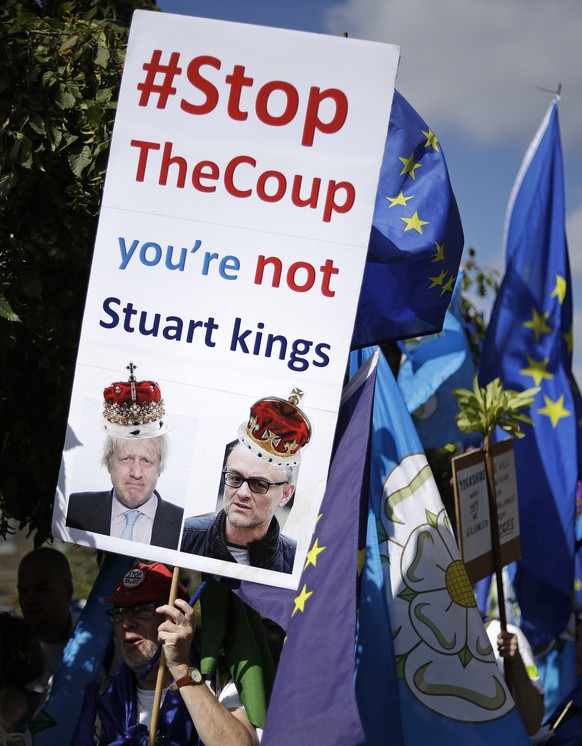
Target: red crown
x,y
276,430
133,409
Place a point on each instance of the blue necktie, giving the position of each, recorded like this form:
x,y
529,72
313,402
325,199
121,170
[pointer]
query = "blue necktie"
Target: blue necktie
x,y
130,518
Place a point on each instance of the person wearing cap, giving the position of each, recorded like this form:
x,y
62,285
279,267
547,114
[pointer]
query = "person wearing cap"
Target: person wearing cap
x,y
259,479
120,709
134,454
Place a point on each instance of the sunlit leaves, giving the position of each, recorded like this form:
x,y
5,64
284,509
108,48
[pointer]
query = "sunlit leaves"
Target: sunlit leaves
x,y
482,409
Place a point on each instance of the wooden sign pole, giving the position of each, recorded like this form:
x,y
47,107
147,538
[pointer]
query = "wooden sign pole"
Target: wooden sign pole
x,y
495,544
162,667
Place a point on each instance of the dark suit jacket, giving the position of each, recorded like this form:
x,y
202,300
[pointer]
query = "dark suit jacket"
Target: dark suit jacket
x,y
91,511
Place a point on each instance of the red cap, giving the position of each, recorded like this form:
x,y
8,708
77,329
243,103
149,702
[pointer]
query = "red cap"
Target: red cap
x,y
145,582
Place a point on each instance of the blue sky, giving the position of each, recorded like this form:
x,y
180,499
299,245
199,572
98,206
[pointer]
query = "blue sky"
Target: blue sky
x,y
472,70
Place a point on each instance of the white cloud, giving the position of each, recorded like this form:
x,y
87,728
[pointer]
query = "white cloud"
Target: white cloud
x,y
475,64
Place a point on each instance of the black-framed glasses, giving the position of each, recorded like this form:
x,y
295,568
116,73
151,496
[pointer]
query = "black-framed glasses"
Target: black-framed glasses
x,y
139,611
256,484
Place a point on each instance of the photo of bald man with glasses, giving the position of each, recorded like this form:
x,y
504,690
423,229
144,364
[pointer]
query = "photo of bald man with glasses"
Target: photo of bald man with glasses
x,y
246,529
259,478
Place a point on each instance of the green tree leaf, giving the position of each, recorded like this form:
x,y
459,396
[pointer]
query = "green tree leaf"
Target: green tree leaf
x,y
79,161
6,311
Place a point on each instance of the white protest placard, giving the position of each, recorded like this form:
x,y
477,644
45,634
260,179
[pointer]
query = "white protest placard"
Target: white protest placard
x,y
472,509
229,254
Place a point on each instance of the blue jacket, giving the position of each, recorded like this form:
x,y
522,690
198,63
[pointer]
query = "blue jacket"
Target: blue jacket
x,y
110,717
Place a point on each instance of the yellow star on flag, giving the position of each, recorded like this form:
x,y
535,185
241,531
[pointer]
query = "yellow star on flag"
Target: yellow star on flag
x,y
537,369
439,255
538,323
438,280
301,599
361,560
400,200
431,140
448,286
577,585
568,338
554,409
559,291
414,223
312,554
409,165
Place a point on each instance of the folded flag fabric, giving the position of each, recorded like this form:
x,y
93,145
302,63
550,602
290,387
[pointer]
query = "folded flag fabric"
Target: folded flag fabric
x,y
313,700
416,240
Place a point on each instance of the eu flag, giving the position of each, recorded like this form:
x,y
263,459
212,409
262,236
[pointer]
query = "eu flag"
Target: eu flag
x,y
416,240
529,342
313,699
425,670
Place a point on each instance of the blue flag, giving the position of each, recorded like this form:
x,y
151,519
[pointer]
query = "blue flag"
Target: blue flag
x,y
82,659
557,669
433,367
416,240
529,342
313,700
425,669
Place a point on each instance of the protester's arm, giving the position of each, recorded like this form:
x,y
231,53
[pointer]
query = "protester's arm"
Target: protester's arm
x,y
215,725
528,699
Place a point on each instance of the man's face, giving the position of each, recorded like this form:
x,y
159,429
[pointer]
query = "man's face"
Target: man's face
x,y
134,468
249,513
44,597
138,640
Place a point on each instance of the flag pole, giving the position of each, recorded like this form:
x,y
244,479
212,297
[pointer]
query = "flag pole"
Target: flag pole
x,y
162,667
556,93
495,544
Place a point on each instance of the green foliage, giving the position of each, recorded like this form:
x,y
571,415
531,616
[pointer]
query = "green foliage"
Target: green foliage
x,y
5,311
484,409
59,82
